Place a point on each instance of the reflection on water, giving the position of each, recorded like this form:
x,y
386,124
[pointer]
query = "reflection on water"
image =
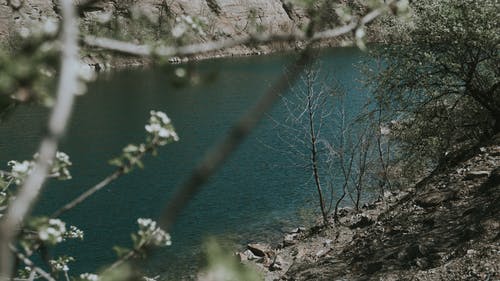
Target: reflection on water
x,y
253,197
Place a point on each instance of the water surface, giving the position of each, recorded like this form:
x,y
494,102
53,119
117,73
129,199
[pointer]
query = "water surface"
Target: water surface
x,y
253,197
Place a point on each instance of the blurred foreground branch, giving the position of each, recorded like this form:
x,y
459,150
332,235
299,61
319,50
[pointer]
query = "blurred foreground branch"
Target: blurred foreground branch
x,y
145,50
28,193
243,127
214,159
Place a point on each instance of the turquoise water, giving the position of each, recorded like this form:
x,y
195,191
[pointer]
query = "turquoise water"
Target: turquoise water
x,y
256,195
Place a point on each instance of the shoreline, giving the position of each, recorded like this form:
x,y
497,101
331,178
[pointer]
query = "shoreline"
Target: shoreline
x,y
425,232
122,61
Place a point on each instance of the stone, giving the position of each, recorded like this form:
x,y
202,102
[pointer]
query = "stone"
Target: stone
x,y
16,4
476,174
174,60
290,239
322,252
251,256
342,212
277,264
434,198
241,256
298,229
360,221
327,242
471,252
257,249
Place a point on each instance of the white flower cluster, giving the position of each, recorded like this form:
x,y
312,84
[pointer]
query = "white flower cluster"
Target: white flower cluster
x,y
63,157
53,232
183,23
134,148
20,170
74,233
61,264
89,277
152,234
60,167
160,127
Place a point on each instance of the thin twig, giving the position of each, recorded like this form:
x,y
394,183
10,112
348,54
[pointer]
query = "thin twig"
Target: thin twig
x,y
31,265
88,193
68,83
103,183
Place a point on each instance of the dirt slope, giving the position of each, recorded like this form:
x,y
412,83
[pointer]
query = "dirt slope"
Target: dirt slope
x,y
446,228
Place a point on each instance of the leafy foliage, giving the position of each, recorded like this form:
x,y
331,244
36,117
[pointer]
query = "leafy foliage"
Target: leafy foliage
x,y
441,78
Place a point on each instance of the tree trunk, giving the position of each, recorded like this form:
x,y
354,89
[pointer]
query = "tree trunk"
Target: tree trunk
x,y
314,160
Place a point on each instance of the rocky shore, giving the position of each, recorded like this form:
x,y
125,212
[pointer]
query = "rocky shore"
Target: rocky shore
x,y
444,228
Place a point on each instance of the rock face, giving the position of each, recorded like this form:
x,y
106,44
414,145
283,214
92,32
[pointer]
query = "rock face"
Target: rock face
x,y
220,19
224,18
26,13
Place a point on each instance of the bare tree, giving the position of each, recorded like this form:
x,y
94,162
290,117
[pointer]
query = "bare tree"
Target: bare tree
x,y
337,147
301,133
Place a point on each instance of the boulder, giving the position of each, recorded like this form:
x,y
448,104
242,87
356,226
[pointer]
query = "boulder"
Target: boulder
x,y
277,264
290,239
360,221
250,255
434,198
299,229
476,174
260,250
242,256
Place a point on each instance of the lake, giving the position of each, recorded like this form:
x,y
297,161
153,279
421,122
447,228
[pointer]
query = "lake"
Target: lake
x,y
255,196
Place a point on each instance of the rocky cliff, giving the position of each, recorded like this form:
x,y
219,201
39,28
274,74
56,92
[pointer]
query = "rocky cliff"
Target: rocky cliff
x,y
180,22
219,18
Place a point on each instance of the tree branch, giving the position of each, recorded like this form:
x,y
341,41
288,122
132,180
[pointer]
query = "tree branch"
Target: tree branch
x,y
145,50
28,193
30,264
241,129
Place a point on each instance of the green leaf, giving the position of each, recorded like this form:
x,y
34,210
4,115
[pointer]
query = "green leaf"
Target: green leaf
x,y
121,251
116,162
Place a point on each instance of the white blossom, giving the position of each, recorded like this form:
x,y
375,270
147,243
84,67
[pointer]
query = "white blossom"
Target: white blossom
x,y
87,73
164,118
61,264
160,127
153,128
63,157
74,233
89,277
152,234
20,167
180,72
24,32
53,232
50,27
20,170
